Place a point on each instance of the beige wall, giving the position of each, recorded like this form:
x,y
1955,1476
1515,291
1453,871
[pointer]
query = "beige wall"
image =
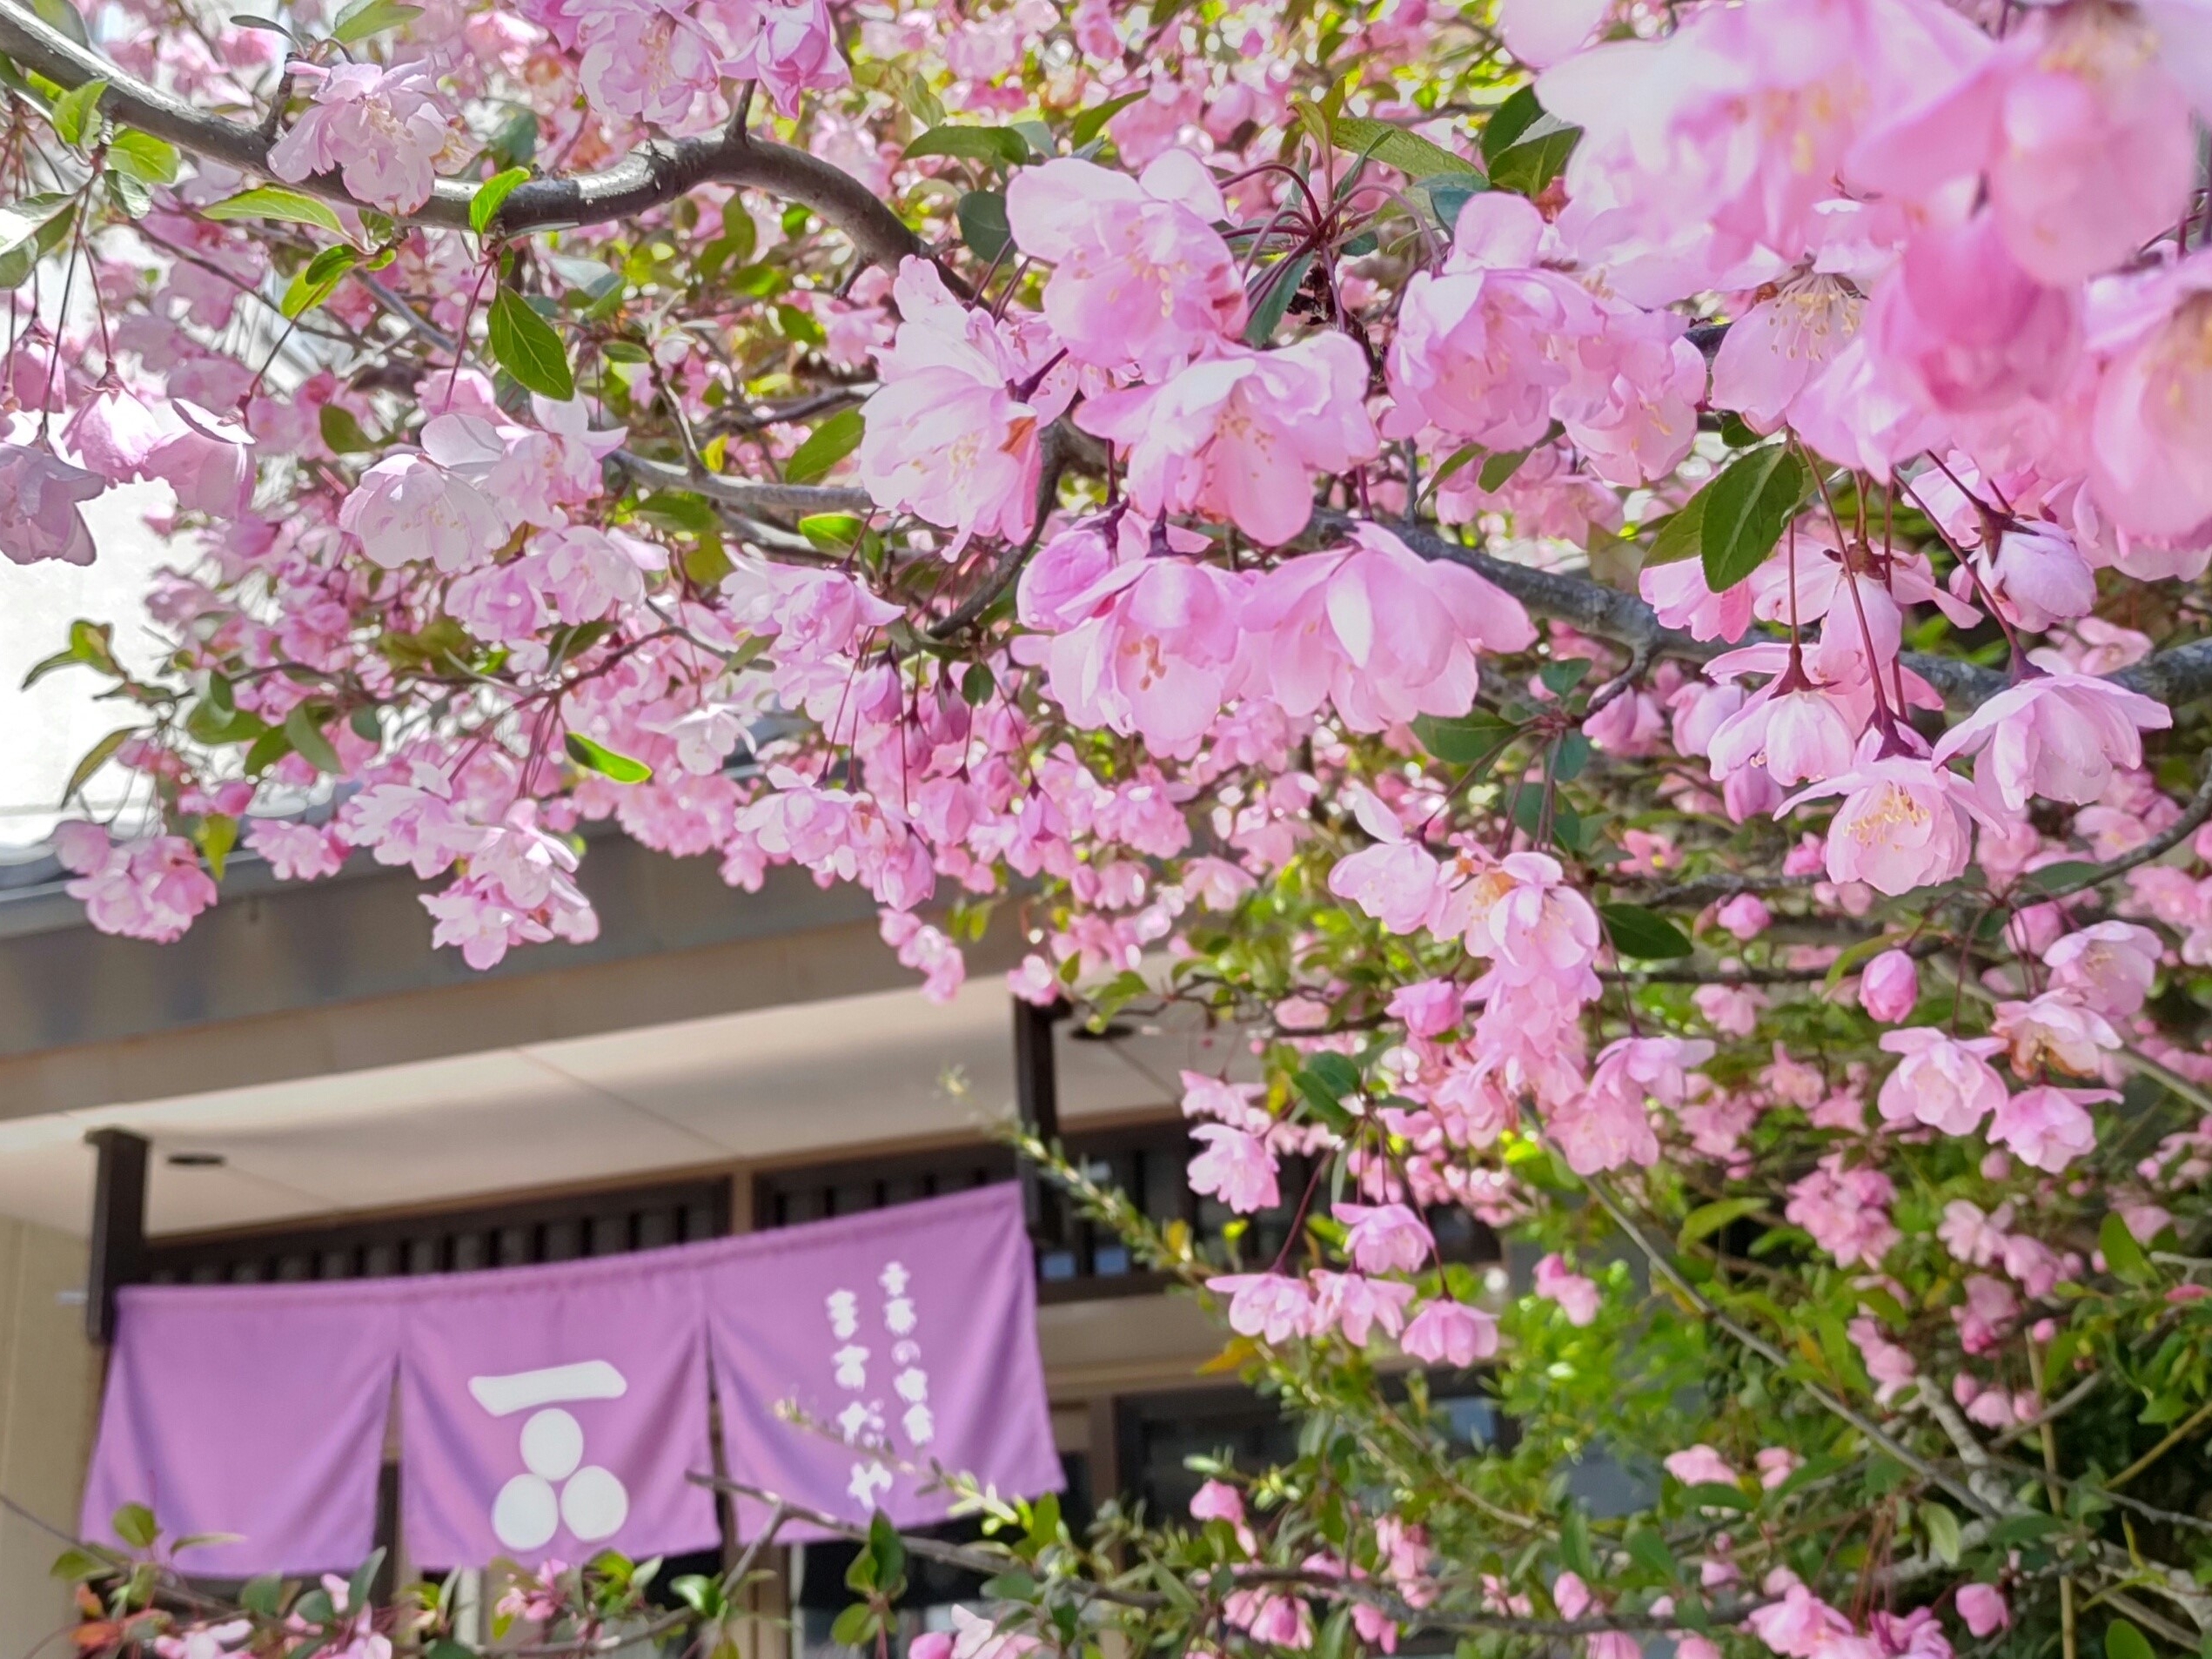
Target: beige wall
x,y
48,1395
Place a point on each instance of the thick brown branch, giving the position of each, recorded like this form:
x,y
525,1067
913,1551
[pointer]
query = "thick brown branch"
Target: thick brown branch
x,y
653,176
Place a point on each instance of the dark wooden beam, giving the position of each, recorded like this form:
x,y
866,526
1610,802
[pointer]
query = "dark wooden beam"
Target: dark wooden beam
x,y
118,1256
1037,1098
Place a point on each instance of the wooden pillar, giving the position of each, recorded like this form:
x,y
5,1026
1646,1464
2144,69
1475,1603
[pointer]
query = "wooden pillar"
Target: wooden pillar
x,y
118,1254
1036,1099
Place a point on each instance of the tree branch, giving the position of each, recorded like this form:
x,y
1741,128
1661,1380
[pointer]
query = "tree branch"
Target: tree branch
x,y
654,175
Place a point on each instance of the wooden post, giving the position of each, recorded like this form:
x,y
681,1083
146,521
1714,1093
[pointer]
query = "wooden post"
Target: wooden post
x,y
118,1254
1037,1098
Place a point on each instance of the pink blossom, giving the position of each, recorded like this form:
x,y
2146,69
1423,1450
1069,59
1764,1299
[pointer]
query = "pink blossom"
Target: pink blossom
x,y
1745,917
1798,731
1889,1364
1798,1625
149,889
1481,348
381,128
1231,1103
1776,1464
1777,348
1700,1465
2082,138
2058,736
1355,1305
651,63
1569,1594
1157,653
410,506
1430,1008
1386,1237
1267,1306
1721,143
206,460
1380,632
2108,966
113,431
2152,418
2046,1127
1523,916
1241,434
1270,1618
1967,328
1234,1168
1970,1236
793,50
1944,1082
44,494
1578,1296
1218,1501
1844,1210
1676,591
2054,1031
1989,1310
1903,823
297,852
1541,32
1444,1332
1139,274
1983,1609
949,435
1890,988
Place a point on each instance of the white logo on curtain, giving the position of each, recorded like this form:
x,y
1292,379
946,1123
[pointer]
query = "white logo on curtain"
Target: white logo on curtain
x,y
864,1421
557,1486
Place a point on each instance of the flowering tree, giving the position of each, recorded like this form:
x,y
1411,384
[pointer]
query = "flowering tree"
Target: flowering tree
x,y
1613,581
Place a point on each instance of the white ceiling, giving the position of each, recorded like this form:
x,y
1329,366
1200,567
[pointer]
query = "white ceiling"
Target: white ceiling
x,y
766,1085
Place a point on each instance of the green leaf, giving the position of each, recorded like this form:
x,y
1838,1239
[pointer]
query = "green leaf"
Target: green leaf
x,y
365,17
1002,144
21,222
305,735
1708,1218
1449,193
1394,146
2065,874
274,201
1711,1494
855,1626
357,1592
2022,1529
1680,534
829,443
1092,122
1529,166
1574,1541
1508,121
76,1564
1336,1073
317,280
832,531
342,433
492,191
134,1523
1497,470
95,757
594,757
264,1595
2123,1641
1643,934
982,222
1648,1550
702,1594
1561,677
268,749
1747,508
144,157
72,112
1472,737
524,345
1283,279
977,685
2122,1253
91,643
1943,1535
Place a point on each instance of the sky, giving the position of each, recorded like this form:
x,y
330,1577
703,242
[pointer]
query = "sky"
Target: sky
x,y
45,730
